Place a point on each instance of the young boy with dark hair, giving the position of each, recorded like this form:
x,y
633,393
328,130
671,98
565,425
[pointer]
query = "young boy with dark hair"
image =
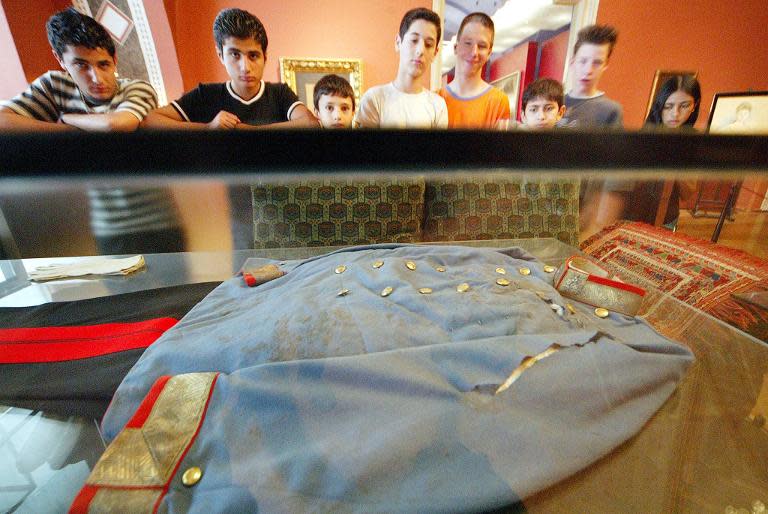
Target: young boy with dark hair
x,y
542,104
87,95
405,102
586,106
245,101
334,101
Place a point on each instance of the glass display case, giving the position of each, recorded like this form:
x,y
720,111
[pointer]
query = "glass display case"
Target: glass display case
x,y
605,430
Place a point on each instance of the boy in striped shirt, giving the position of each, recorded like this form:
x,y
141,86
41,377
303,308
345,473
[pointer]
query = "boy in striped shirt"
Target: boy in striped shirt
x,y
87,95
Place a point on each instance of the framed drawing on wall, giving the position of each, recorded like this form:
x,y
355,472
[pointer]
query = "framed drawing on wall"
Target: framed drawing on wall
x,y
510,84
659,78
739,113
117,23
301,75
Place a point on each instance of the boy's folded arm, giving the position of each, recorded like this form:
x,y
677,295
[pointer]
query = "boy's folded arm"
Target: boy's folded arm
x,y
168,117
301,117
10,120
121,121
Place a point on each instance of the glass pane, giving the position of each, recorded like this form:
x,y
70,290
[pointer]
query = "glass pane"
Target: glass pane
x,y
641,207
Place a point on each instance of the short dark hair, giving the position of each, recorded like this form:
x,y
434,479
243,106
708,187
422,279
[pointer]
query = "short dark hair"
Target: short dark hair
x,y
550,89
239,24
72,28
597,35
479,17
685,83
333,85
420,13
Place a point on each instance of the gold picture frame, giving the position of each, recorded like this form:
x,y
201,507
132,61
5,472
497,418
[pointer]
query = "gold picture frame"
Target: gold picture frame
x,y
659,78
301,75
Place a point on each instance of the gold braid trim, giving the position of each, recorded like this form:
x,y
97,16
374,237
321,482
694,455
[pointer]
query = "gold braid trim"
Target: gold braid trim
x,y
145,458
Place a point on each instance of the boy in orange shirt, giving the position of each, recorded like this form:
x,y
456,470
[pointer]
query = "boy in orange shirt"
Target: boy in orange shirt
x,y
472,102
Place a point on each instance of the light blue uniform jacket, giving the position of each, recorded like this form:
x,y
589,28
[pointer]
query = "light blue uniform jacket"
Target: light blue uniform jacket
x,y
365,403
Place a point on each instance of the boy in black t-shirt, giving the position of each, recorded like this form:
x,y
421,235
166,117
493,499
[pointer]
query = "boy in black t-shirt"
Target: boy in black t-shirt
x,y
244,102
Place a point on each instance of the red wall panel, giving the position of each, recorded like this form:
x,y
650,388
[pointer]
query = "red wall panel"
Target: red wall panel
x,y
520,58
553,52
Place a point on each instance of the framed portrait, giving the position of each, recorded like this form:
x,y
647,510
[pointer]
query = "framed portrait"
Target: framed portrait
x,y
659,78
301,75
117,23
739,113
510,84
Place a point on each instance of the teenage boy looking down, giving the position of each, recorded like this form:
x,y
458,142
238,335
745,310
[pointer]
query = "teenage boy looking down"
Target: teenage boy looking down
x,y
245,101
542,104
404,102
586,106
471,101
334,102
87,95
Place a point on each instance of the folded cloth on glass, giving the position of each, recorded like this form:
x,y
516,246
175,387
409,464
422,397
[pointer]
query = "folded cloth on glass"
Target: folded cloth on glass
x,y
84,267
255,276
388,378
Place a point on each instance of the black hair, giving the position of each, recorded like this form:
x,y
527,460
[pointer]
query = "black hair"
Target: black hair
x,y
420,13
335,86
597,35
685,83
479,17
72,28
550,89
239,24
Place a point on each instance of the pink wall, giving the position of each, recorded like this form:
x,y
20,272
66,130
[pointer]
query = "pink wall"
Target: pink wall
x,y
13,72
166,49
26,19
296,28
553,52
723,41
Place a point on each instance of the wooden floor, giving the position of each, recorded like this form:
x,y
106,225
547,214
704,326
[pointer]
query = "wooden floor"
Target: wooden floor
x,y
749,232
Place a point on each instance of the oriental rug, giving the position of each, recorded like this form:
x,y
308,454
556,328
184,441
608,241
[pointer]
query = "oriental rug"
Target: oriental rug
x,y
697,272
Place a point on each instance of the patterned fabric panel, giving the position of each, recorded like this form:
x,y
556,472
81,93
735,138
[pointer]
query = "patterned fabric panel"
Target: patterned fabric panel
x,y
697,272
500,208
332,212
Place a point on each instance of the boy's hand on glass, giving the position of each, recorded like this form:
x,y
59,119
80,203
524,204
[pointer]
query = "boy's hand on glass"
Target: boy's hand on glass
x,y
224,120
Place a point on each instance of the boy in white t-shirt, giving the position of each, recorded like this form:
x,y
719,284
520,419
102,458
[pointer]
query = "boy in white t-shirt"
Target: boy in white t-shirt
x,y
405,102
